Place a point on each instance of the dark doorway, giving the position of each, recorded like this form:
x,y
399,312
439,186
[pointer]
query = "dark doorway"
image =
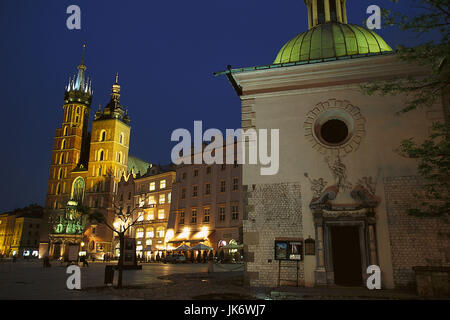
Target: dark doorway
x,y
56,250
346,255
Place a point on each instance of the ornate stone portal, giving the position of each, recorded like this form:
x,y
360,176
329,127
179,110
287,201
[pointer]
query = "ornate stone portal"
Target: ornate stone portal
x,y
342,205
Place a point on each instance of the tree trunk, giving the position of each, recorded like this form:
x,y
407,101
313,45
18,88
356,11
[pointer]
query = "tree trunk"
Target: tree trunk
x,y
121,257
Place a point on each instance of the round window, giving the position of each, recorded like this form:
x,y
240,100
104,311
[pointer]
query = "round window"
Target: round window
x,y
334,131
334,128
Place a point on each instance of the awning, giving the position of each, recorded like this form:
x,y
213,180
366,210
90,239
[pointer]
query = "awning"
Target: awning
x,y
191,237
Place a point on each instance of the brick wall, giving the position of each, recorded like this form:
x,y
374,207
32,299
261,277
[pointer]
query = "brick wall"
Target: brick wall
x,y
271,211
415,241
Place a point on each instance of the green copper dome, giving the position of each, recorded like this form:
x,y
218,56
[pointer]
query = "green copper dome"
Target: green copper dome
x,y
331,40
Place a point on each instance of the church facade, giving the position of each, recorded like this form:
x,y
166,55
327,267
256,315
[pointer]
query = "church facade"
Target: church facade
x,y
338,202
85,170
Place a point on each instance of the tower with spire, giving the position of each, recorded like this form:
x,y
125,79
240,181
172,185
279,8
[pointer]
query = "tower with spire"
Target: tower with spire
x,y
71,142
108,157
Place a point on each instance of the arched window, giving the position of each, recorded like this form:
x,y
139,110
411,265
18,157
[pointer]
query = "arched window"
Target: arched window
x,y
58,188
63,144
65,131
121,138
60,173
61,159
78,190
101,155
119,157
67,114
78,110
103,135
100,171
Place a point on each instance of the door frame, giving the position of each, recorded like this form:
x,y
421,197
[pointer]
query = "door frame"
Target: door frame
x,y
363,246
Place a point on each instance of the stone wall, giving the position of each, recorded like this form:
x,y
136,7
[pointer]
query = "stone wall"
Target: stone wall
x,y
415,241
271,211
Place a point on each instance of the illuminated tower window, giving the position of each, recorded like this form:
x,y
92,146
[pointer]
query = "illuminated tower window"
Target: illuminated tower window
x,y
121,138
103,135
100,155
63,144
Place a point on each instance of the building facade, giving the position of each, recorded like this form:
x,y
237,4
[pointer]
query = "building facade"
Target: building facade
x,y
20,232
338,202
153,193
206,205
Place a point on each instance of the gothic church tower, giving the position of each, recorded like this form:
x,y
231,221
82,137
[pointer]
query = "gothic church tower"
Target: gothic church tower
x,y
71,142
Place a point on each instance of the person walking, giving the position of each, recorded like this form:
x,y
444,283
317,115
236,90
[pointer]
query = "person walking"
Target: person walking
x,y
84,260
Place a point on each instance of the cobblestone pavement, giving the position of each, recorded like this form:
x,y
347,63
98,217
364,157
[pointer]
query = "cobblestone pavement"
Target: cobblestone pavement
x,y
29,280
157,281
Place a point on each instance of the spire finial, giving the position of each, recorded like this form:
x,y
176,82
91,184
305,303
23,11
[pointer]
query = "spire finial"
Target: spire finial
x,y
83,51
117,78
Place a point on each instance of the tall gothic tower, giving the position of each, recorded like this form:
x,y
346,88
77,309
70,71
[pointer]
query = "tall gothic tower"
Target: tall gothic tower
x,y
108,156
71,142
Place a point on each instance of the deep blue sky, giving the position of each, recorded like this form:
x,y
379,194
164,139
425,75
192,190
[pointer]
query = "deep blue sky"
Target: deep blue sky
x,y
165,53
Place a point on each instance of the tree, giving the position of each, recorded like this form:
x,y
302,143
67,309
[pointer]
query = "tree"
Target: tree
x,y
423,92
123,222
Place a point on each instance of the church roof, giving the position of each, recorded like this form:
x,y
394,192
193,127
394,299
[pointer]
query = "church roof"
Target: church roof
x,y
137,165
331,40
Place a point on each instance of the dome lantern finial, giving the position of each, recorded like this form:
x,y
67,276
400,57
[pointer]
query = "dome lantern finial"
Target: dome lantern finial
x,y
323,11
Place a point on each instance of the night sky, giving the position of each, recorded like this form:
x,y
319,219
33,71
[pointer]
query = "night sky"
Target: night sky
x,y
165,53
